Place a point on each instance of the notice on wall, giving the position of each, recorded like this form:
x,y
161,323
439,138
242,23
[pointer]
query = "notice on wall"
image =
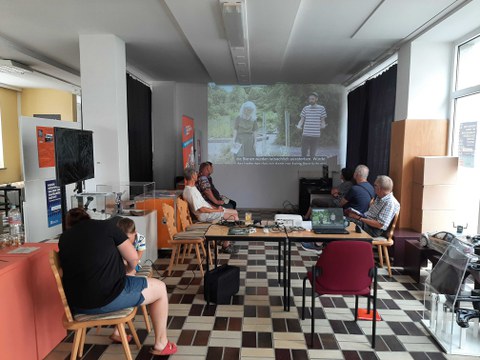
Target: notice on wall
x,y
187,142
54,203
466,144
45,146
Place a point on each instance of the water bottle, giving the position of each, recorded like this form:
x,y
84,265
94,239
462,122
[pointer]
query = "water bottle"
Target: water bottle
x,y
15,221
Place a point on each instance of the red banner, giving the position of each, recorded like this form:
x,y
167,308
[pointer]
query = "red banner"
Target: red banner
x,y
45,146
187,142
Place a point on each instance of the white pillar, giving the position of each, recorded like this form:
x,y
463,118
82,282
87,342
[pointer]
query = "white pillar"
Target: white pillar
x,y
104,107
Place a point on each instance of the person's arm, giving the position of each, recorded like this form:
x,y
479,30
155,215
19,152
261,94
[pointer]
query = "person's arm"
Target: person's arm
x,y
210,210
370,222
213,199
129,254
300,123
343,202
139,254
235,135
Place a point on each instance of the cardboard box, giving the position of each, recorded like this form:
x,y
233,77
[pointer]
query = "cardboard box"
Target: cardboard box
x,y
435,170
432,220
434,197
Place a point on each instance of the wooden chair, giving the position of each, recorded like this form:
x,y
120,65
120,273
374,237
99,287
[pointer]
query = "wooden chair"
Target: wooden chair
x,y
81,322
146,271
187,224
177,239
383,243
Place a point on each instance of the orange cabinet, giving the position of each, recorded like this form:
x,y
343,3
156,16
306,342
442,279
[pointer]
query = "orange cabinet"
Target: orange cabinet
x,y
30,307
155,202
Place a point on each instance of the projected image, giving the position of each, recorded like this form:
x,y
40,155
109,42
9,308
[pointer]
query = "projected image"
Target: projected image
x,y
280,124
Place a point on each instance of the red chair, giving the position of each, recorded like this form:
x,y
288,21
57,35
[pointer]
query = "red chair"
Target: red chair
x,y
344,268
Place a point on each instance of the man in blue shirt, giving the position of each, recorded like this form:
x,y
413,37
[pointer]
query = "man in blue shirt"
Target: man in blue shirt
x,y
361,194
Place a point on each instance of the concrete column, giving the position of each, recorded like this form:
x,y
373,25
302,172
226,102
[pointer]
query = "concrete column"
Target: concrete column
x,y
104,106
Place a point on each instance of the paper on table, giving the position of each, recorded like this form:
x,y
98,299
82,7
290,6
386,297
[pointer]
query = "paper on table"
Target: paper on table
x,y
23,250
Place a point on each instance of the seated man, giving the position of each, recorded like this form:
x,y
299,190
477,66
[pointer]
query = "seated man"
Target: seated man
x,y
337,193
203,210
378,217
205,185
361,194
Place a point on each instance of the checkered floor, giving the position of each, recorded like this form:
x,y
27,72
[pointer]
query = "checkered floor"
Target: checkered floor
x,y
254,325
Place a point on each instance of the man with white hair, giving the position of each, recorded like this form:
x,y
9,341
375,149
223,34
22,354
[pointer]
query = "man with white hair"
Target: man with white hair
x,y
360,194
378,217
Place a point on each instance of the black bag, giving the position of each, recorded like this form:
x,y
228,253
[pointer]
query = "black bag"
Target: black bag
x,y
221,284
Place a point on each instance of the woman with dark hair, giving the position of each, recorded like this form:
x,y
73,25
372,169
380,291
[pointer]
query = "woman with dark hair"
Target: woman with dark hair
x,y
96,280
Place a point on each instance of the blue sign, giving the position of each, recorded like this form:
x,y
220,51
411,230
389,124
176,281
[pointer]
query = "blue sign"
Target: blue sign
x,y
54,203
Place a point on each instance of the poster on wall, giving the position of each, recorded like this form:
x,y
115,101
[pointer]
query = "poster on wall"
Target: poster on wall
x,y
54,203
45,147
466,144
187,142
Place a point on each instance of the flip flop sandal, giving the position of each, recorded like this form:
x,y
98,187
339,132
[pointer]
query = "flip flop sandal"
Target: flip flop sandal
x,y
169,349
117,339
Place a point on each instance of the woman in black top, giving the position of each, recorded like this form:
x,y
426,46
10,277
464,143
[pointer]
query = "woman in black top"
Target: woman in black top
x,y
96,280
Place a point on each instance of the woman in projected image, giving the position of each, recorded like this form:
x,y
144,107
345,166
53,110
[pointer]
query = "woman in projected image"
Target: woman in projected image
x,y
245,131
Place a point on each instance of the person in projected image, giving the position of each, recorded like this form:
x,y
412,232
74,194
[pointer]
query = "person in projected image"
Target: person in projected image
x,y
245,131
312,121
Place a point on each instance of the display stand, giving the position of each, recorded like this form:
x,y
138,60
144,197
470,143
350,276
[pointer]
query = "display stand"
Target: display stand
x,y
446,292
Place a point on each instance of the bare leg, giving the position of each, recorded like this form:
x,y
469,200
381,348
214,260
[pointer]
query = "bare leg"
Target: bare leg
x,y
156,295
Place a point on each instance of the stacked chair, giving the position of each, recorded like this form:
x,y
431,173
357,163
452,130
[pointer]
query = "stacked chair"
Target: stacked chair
x,y
177,239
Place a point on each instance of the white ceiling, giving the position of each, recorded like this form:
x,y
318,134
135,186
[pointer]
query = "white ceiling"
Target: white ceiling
x,y
294,41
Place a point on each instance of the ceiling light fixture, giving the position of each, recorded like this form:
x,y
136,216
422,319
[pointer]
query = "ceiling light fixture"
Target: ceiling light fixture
x,y
14,67
234,20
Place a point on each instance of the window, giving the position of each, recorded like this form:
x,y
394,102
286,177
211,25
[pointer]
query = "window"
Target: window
x,y
466,130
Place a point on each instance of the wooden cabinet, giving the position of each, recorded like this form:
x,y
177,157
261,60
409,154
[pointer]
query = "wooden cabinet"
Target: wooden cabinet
x,y
434,195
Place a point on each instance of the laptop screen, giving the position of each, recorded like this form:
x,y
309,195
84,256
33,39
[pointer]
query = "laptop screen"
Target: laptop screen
x,y
327,218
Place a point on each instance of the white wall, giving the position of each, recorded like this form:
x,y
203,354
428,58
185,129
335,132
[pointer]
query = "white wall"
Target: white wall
x,y
104,106
423,81
171,100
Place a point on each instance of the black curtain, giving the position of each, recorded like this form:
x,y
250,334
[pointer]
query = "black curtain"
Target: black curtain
x,y
371,110
139,103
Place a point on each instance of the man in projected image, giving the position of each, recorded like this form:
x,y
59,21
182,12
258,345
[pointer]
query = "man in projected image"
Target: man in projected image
x,y
245,131
312,121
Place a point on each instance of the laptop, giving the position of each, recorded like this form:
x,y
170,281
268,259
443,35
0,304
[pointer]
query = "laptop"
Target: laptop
x,y
328,221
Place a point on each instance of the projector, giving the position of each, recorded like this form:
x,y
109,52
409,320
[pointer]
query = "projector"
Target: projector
x,y
288,219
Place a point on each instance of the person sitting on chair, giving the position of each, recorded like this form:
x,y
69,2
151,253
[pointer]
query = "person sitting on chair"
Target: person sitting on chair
x,y
203,210
361,194
378,217
209,192
337,193
96,280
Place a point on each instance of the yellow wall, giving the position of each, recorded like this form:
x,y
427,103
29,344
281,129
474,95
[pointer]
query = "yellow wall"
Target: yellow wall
x,y
33,101
11,140
48,101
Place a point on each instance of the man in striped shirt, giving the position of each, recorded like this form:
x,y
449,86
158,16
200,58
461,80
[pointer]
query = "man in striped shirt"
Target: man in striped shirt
x,y
312,118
